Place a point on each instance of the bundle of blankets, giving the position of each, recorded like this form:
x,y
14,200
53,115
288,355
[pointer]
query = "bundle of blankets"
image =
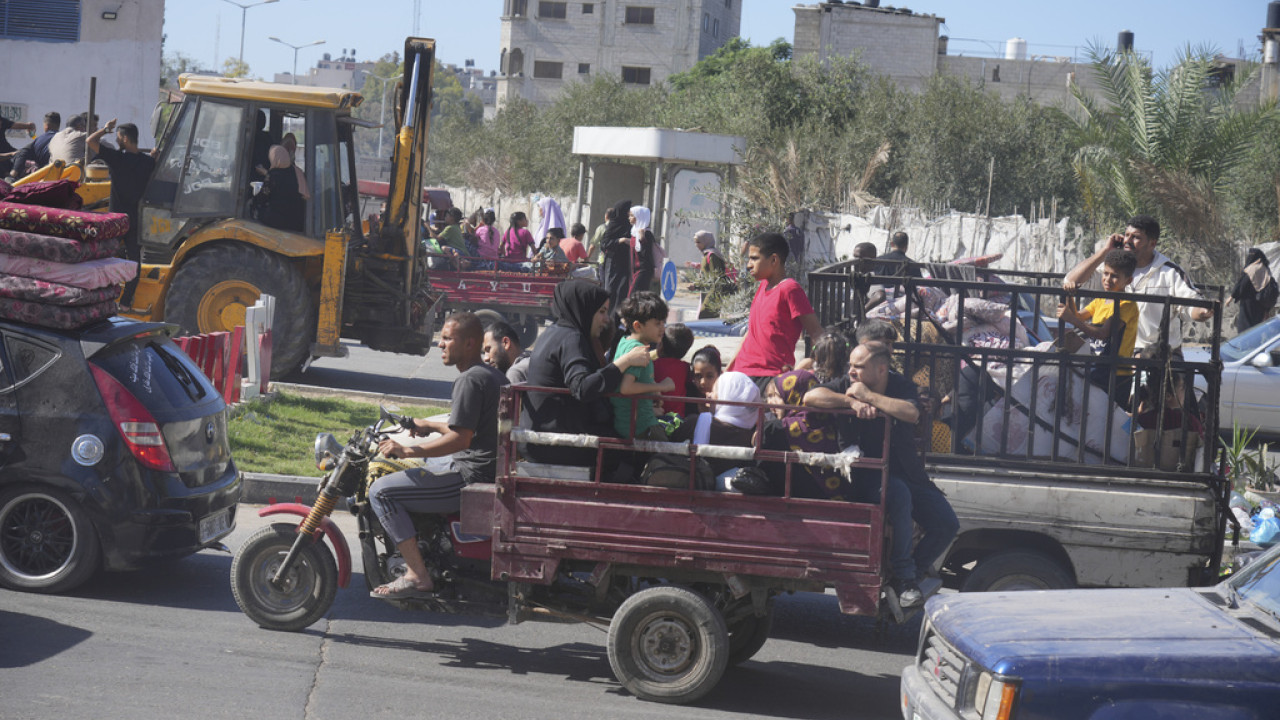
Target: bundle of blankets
x,y
58,265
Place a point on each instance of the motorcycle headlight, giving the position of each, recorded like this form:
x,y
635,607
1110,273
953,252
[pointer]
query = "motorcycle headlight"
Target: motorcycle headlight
x,y
327,450
994,697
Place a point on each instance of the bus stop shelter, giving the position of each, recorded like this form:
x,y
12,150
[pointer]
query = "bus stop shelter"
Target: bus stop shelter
x,y
678,174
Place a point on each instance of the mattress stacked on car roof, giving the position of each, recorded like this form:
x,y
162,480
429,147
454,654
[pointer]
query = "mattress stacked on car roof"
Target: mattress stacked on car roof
x,y
58,265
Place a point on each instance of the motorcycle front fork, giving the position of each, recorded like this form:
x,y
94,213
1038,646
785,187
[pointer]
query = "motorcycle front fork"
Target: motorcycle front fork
x,y
308,531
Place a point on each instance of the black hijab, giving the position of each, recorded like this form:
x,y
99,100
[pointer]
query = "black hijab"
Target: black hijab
x,y
575,304
1255,255
620,225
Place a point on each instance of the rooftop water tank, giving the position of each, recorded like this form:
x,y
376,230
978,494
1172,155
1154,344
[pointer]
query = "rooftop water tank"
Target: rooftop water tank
x,y
1015,49
1124,41
1273,14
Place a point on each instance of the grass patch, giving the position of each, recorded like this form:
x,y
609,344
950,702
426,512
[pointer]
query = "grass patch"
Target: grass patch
x,y
276,435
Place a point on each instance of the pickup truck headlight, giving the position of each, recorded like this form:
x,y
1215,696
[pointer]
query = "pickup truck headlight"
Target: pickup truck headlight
x,y
994,697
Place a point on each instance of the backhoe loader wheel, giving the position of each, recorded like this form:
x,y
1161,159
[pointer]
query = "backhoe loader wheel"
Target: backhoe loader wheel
x,y
212,289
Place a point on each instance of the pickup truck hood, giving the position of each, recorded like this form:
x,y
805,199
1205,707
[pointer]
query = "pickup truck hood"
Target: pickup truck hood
x,y
1164,634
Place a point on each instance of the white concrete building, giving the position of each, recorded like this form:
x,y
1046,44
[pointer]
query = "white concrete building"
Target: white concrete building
x,y
546,45
50,49
908,47
344,72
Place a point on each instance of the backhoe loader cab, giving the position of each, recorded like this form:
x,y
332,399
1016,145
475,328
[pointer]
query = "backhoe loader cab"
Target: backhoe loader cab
x,y
208,253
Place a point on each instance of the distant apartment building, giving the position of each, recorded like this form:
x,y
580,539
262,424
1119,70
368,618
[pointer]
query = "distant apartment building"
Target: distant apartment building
x,y
341,72
546,45
908,47
474,82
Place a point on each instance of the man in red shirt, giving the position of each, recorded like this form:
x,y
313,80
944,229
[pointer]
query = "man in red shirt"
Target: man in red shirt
x,y
779,311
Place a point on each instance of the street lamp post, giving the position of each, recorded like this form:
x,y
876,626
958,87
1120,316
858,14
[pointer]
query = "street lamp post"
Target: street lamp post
x,y
296,48
382,121
244,11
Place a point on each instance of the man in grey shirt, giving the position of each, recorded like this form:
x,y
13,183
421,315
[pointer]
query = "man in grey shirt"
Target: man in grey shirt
x,y
68,144
502,350
469,438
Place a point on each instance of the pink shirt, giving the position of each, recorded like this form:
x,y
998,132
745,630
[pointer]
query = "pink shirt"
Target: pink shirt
x,y
487,238
573,249
773,329
517,244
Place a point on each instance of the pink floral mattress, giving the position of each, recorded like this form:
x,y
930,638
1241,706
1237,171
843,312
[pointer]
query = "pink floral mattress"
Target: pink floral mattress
x,y
60,317
89,274
57,249
71,224
24,288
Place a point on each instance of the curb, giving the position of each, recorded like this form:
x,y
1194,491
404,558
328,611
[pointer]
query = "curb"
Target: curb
x,y
360,395
263,489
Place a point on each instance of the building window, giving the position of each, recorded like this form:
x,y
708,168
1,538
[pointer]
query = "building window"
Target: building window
x,y
728,3
548,70
715,28
637,15
553,10
706,22
519,8
588,8
515,63
635,75
47,20
584,68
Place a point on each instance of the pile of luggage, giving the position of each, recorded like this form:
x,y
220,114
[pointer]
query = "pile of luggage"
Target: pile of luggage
x,y
58,265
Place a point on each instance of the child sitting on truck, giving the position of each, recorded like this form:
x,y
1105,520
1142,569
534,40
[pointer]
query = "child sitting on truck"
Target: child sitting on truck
x,y
1111,326
676,341
644,316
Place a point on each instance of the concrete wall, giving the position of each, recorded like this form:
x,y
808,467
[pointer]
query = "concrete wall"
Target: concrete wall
x,y
899,45
124,54
604,41
1046,82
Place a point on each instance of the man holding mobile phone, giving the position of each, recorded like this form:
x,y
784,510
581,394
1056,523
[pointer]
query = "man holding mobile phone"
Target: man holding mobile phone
x,y
1155,275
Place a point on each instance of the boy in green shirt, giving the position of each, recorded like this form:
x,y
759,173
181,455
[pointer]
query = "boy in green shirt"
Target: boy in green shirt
x,y
645,316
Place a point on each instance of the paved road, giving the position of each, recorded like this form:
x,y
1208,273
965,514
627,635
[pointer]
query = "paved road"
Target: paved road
x,y
170,641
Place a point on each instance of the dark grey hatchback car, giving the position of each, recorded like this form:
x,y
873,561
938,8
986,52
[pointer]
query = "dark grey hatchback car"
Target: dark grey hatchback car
x,y
113,453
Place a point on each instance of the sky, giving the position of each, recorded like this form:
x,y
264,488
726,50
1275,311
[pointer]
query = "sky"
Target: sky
x,y
208,31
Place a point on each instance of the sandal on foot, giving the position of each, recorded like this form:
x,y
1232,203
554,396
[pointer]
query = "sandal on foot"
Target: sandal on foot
x,y
400,589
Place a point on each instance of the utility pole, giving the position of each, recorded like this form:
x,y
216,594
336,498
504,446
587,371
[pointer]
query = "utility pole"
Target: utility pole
x,y
296,48
244,12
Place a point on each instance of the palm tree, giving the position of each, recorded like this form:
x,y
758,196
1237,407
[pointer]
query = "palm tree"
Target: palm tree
x,y
1164,143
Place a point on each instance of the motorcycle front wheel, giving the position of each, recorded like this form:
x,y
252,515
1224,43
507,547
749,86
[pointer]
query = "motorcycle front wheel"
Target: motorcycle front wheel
x,y
306,592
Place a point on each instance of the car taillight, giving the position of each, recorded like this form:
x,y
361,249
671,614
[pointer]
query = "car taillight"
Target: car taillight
x,y
138,427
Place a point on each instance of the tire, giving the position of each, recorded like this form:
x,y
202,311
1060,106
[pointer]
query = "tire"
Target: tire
x,y
212,288
47,542
1017,570
528,330
668,644
309,589
748,635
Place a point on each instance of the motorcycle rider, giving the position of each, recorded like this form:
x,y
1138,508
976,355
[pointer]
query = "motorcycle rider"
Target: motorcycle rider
x,y
469,437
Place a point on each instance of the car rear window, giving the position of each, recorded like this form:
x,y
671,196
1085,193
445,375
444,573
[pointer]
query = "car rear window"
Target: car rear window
x,y
160,375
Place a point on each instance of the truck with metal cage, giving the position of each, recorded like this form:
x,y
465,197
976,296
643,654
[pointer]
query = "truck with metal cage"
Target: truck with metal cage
x,y
1055,484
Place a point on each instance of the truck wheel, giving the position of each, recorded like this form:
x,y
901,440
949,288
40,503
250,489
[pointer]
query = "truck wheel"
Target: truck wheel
x,y
528,330
211,290
47,542
1017,570
748,635
668,644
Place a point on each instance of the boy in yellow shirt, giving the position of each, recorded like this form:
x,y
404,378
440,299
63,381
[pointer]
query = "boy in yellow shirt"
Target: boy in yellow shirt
x,y
1111,326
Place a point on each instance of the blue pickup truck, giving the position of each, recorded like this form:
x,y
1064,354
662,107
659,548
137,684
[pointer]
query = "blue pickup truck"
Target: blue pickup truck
x,y
1208,653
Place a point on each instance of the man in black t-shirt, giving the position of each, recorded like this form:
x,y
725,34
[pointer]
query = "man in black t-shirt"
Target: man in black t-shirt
x,y
130,169
469,437
7,151
882,397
